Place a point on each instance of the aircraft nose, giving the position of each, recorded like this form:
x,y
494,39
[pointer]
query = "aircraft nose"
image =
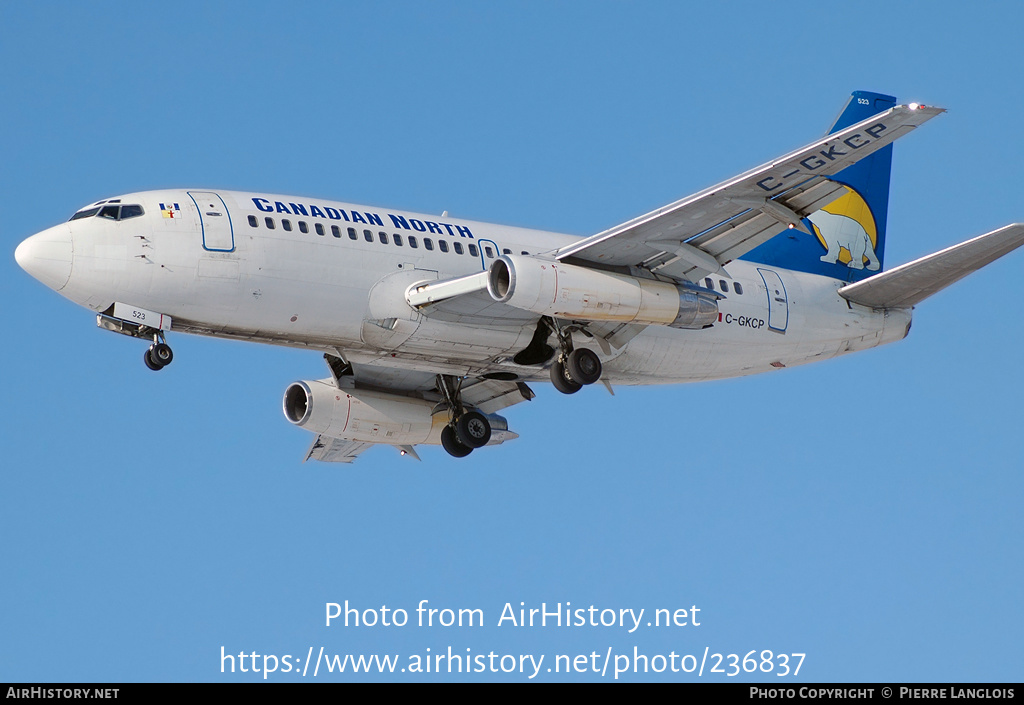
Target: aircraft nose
x,y
47,256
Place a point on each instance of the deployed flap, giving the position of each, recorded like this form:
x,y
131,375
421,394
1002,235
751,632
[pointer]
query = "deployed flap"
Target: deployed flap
x,y
487,395
614,334
491,395
335,450
730,219
392,379
911,283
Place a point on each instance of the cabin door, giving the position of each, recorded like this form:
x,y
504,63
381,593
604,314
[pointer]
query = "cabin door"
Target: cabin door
x,y
215,221
778,302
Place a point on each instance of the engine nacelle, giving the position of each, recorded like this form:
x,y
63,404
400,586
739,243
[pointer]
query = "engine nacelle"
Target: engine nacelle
x,y
550,288
371,416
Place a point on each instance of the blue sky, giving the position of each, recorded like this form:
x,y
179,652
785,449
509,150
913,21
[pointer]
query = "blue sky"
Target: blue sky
x,y
865,511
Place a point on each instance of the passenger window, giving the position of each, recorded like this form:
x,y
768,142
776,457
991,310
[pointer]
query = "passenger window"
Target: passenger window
x,y
335,231
383,236
110,212
412,242
724,284
473,251
458,248
506,251
319,229
133,212
489,251
428,243
286,224
738,287
352,234
524,252
254,221
708,283
303,228
270,223
442,245
397,238
368,236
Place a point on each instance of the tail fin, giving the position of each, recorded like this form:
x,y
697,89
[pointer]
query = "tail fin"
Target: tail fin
x,y
849,242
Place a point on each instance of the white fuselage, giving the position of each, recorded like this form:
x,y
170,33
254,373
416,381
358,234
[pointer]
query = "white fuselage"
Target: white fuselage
x,y
215,273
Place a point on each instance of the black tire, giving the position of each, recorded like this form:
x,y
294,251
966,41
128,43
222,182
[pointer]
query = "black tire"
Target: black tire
x,y
473,429
161,354
150,362
451,443
583,366
561,381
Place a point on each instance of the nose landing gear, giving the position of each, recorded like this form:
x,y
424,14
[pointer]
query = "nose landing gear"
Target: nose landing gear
x,y
143,324
159,355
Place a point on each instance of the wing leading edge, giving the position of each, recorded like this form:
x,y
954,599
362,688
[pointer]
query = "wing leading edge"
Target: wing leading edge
x,y
698,234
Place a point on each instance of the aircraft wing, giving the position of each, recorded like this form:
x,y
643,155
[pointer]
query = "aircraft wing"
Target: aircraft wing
x,y
485,395
911,283
335,450
697,235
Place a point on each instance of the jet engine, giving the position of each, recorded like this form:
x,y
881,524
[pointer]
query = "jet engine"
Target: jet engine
x,y
371,416
551,288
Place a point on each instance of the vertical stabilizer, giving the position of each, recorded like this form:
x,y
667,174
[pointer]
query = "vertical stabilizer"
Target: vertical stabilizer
x,y
849,232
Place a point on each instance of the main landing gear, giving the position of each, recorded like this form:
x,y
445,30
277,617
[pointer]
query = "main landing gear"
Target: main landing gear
x,y
574,367
466,430
159,354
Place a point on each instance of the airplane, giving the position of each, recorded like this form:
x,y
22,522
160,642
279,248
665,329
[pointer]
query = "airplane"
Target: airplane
x,y
430,325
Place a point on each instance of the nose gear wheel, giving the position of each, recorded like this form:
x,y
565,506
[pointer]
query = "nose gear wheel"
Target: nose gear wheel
x,y
159,355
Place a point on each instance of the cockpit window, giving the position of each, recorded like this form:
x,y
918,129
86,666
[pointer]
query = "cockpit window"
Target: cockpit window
x,y
85,213
111,212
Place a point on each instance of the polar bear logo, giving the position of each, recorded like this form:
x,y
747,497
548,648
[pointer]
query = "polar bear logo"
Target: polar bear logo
x,y
846,228
843,232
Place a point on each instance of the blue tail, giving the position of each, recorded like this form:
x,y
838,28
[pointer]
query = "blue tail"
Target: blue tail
x,y
849,241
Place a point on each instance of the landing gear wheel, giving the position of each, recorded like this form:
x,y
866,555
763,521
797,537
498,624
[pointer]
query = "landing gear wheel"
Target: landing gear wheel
x,y
150,363
451,443
473,429
161,354
560,379
583,366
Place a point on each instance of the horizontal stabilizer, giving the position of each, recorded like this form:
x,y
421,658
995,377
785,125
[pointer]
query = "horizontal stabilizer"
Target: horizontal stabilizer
x,y
911,283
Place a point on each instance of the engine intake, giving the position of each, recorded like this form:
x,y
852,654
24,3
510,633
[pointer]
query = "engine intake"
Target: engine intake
x,y
359,414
